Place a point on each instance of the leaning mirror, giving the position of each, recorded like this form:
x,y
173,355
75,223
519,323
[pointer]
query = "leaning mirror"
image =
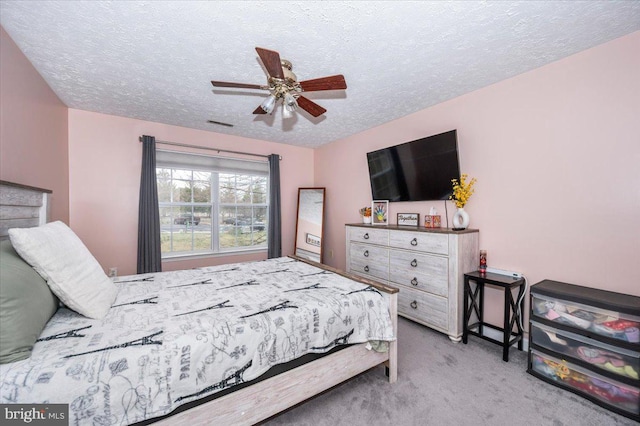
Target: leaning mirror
x,y
310,224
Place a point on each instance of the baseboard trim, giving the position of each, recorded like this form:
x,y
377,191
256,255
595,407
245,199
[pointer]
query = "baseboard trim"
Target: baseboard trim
x,y
497,335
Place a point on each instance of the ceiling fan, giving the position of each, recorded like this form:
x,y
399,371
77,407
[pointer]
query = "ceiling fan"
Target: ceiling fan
x,y
283,84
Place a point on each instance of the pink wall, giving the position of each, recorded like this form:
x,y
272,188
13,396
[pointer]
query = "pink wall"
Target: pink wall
x,y
33,129
104,163
556,152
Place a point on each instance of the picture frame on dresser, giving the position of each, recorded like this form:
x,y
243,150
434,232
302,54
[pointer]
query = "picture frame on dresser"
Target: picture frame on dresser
x,y
380,212
408,219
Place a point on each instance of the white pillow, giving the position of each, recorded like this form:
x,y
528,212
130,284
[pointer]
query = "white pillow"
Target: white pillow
x,y
72,273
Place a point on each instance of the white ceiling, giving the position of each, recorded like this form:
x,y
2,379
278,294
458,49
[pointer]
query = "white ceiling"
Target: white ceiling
x,y
153,60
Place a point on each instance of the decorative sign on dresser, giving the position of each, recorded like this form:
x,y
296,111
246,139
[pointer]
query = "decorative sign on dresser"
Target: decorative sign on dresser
x,y
427,265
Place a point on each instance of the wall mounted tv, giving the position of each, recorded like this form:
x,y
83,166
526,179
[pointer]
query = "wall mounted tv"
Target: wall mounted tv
x,y
420,170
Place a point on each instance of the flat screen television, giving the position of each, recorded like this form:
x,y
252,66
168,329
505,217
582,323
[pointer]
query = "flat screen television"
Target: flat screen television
x,y
419,170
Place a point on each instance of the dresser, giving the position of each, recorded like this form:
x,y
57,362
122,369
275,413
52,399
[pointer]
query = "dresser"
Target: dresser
x,y
426,264
587,341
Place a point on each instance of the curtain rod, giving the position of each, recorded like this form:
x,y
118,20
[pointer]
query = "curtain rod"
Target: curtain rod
x,y
208,148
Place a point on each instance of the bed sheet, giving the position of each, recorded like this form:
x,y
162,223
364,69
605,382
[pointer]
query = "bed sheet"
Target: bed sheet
x,y
174,337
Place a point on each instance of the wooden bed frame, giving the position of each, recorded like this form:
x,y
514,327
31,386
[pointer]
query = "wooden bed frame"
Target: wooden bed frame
x,y
24,206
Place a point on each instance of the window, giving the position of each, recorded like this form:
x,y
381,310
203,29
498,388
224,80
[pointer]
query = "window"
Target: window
x,y
211,204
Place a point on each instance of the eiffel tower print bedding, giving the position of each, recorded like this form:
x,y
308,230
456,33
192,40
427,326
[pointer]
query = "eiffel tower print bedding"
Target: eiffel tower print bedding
x,y
175,337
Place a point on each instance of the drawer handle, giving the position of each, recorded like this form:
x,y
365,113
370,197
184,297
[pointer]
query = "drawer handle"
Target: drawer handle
x,y
414,304
414,242
414,263
414,281
366,268
366,236
366,253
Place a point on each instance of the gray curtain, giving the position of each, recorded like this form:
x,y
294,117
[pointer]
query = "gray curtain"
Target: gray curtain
x,y
275,227
149,255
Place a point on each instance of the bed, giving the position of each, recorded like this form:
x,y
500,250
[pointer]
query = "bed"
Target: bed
x,y
189,338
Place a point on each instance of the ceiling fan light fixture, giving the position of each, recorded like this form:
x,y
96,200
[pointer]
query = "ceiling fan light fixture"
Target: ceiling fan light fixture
x,y
283,84
289,105
287,111
269,104
290,100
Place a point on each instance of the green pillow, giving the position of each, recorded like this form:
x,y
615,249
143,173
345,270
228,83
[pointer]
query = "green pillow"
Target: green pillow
x,y
26,305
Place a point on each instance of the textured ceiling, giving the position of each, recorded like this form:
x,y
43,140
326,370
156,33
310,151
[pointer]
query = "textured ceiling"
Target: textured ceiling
x,y
153,60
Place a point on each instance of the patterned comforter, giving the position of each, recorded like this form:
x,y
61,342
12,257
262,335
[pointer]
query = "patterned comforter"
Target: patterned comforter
x,y
174,337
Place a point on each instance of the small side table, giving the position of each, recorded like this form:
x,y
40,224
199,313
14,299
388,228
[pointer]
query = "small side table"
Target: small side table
x,y
512,315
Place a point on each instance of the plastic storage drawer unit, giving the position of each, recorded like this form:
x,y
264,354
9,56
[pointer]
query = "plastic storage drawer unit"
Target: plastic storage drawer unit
x,y
587,383
587,341
604,322
589,352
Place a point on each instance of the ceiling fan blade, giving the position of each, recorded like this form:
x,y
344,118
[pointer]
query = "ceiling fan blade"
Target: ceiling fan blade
x,y
271,61
311,107
334,82
236,85
259,110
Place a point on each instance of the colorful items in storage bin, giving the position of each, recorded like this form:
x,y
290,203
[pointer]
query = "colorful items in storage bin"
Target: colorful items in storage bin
x,y
601,323
617,394
553,369
619,361
618,327
608,361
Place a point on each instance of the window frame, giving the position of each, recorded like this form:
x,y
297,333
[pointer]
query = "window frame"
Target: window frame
x,y
215,204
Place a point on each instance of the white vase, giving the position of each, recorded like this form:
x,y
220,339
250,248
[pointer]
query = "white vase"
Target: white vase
x,y
460,219
366,219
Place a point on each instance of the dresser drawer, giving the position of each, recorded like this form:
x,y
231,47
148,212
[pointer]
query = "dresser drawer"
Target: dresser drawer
x,y
434,283
369,260
419,271
586,383
420,241
369,235
622,362
423,307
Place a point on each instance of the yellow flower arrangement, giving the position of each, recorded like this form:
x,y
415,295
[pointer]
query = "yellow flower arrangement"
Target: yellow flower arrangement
x,y
462,190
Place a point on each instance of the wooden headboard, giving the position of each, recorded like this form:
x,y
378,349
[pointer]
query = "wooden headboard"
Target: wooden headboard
x,y
22,206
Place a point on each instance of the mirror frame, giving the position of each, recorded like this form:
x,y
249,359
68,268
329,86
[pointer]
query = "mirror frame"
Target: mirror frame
x,y
324,200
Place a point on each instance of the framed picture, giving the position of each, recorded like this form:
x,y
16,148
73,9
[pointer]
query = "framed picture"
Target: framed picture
x,y
409,219
313,240
380,212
